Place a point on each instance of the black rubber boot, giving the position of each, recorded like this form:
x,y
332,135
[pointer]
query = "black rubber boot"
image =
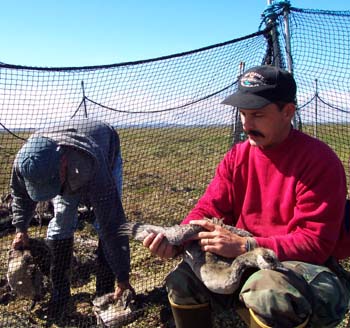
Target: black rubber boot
x,y
189,316
105,278
60,271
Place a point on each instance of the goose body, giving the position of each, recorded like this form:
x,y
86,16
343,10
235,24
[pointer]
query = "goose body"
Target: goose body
x,y
27,269
22,275
219,274
114,313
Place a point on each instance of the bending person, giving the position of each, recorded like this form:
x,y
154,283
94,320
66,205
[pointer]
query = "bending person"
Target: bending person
x,y
73,162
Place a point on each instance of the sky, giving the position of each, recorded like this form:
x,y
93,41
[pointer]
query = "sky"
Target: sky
x,y
76,33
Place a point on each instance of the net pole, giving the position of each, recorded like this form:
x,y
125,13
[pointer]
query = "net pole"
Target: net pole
x,y
276,50
238,129
288,48
287,37
316,109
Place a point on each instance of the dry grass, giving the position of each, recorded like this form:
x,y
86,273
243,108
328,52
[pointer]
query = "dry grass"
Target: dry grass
x,y
165,171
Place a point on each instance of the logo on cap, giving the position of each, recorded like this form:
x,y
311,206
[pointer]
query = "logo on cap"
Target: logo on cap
x,y
252,79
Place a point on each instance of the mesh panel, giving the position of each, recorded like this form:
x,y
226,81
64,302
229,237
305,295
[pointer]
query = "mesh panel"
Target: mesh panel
x,y
320,52
173,131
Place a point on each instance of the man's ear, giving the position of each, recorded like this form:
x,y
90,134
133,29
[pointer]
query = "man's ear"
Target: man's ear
x,y
289,110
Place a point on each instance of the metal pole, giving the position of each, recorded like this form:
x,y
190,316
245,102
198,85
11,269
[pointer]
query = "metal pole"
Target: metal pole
x,y
274,35
287,37
316,109
289,51
238,132
84,98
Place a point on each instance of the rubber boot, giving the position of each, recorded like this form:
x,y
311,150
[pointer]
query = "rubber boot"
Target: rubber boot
x,y
60,271
105,278
189,316
255,321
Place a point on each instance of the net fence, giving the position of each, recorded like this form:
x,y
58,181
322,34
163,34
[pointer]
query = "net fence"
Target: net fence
x,y
320,52
173,131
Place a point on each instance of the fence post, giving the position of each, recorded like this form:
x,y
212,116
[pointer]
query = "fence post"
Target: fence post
x,y
238,127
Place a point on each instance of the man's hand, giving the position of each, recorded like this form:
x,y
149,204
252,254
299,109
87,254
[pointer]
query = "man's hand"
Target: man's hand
x,y
21,241
219,240
121,288
158,245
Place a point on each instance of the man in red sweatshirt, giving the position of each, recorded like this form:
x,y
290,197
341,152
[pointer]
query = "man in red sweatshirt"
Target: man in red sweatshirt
x,y
288,190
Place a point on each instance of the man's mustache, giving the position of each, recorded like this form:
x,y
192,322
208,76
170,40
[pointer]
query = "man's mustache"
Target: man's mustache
x,y
254,133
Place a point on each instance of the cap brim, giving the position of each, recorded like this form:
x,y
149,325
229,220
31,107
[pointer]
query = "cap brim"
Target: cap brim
x,y
43,192
246,100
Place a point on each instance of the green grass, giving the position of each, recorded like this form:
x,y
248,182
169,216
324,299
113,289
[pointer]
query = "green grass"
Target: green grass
x,y
166,170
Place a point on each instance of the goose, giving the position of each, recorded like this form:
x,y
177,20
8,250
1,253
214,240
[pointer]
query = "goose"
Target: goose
x,y
27,269
219,274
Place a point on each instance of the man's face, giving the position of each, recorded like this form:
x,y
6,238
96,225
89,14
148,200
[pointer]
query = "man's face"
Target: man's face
x,y
267,126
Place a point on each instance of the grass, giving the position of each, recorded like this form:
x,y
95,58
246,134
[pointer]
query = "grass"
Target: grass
x,y
165,172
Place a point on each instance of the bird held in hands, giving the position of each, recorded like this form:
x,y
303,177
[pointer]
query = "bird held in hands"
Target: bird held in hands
x,y
219,274
27,268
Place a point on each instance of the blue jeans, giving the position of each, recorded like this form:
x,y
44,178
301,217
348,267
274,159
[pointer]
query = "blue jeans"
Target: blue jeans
x,y
64,222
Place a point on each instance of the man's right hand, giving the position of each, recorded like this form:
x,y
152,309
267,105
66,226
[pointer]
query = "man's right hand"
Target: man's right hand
x,y
21,241
158,245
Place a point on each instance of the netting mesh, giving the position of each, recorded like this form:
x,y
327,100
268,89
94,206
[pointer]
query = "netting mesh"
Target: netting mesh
x,y
173,131
321,67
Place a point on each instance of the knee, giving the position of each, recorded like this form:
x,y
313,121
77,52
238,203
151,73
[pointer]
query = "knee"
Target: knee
x,y
178,284
184,288
277,298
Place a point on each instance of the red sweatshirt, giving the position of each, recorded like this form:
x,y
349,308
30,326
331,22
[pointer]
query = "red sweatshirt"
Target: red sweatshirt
x,y
290,197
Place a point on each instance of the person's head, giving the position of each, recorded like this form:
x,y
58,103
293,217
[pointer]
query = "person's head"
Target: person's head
x,y
265,98
38,162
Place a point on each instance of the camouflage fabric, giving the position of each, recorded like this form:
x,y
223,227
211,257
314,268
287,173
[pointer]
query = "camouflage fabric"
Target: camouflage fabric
x,y
283,298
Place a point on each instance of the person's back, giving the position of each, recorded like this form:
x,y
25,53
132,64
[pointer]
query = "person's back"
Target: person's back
x,y
84,134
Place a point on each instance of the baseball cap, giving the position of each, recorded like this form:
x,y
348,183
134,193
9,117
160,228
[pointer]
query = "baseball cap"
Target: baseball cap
x,y
38,162
262,85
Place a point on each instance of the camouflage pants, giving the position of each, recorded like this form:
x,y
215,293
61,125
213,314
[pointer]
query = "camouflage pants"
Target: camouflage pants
x,y
279,298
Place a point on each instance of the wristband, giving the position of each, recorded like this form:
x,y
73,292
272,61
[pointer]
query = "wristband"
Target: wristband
x,y
250,244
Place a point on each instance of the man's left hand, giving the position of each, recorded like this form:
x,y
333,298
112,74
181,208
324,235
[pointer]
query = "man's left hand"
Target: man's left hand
x,y
219,240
